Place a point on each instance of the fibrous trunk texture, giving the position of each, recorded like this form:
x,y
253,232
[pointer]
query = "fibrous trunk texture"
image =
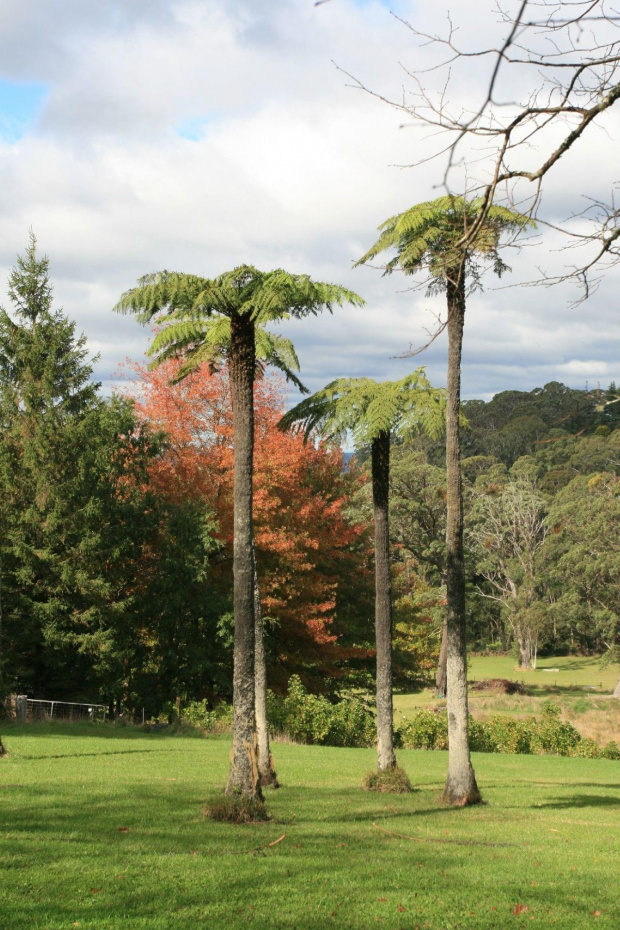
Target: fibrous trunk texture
x,y
441,683
617,689
2,749
383,600
243,777
461,787
266,772
525,651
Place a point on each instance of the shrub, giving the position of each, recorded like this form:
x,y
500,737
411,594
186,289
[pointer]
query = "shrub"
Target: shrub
x,y
310,718
425,730
548,734
585,749
551,735
388,781
506,734
236,808
611,751
217,720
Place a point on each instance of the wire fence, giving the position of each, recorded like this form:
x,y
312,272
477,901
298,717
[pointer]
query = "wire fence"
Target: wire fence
x,y
63,710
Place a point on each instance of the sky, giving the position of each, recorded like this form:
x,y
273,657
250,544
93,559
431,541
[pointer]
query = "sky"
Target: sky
x,y
197,135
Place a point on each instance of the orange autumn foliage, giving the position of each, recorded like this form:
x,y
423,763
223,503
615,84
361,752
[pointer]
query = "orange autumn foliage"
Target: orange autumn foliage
x,y
305,545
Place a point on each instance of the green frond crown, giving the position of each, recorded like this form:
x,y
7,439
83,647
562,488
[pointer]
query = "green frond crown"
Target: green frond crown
x,y
429,236
194,313
367,408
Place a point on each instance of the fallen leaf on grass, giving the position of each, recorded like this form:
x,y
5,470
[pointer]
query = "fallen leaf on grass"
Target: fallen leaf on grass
x,y
123,829
520,909
95,890
382,899
596,913
400,908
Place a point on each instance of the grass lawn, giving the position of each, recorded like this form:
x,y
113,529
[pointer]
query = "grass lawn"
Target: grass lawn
x,y
104,828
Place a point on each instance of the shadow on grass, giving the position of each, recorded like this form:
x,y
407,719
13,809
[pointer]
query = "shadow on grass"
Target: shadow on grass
x,y
46,729
83,755
581,800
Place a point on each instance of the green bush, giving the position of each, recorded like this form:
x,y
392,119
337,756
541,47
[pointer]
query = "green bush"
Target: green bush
x,y
311,718
536,736
553,736
216,720
425,730
611,751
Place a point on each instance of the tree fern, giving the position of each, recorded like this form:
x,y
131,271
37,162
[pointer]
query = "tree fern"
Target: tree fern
x,y
366,408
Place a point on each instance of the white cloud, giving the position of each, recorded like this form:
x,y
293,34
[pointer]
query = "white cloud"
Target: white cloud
x,y
290,168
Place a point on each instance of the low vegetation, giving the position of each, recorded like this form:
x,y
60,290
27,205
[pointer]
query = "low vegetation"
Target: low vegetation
x,y
388,781
104,828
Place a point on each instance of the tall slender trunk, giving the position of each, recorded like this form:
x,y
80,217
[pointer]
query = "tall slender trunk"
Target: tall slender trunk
x,y
441,683
461,787
2,749
243,775
383,600
616,693
266,772
525,650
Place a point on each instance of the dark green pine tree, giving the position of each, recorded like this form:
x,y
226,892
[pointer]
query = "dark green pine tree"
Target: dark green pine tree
x,y
45,383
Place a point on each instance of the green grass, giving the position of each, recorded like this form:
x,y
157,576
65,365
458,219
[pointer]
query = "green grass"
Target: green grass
x,y
578,678
104,828
575,673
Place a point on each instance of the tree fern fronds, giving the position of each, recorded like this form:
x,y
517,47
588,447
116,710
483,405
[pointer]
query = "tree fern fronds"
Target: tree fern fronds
x,y
366,408
429,235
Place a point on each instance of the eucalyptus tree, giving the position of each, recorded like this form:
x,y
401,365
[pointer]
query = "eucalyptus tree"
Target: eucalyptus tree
x,y
203,320
432,237
373,412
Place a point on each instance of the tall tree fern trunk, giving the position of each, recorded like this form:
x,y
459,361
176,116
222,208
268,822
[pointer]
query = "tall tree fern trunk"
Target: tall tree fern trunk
x,y
2,749
266,772
243,775
383,600
617,689
461,787
441,683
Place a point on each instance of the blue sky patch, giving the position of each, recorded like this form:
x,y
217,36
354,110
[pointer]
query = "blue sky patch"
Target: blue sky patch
x,y
194,128
20,106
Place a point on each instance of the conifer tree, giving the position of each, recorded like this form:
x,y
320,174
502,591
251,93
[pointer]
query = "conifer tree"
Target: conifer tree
x,y
203,319
45,383
432,237
374,412
75,515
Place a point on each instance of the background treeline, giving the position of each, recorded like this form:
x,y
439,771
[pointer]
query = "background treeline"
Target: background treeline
x,y
116,517
542,505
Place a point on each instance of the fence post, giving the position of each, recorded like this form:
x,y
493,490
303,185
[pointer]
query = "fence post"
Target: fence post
x,y
21,708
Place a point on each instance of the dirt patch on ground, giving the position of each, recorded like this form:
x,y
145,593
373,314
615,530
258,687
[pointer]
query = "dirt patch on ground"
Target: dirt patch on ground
x,y
500,686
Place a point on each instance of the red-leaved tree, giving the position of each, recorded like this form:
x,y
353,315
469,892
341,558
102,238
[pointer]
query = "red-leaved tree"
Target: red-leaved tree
x,y
314,564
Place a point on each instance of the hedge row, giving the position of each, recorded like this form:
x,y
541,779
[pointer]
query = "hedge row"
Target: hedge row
x,y
308,718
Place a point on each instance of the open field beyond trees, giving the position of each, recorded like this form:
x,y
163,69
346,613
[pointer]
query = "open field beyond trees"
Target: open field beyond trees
x,y
104,828
580,685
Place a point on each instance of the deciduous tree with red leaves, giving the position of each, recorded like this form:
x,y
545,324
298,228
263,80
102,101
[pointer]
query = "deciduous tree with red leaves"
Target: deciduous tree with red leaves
x,y
308,552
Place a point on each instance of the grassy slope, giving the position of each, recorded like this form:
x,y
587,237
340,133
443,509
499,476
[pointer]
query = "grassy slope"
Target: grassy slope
x,y
575,687
66,794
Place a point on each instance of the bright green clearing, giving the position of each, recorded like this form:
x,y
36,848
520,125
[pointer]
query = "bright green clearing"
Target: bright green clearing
x,y
562,679
103,828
